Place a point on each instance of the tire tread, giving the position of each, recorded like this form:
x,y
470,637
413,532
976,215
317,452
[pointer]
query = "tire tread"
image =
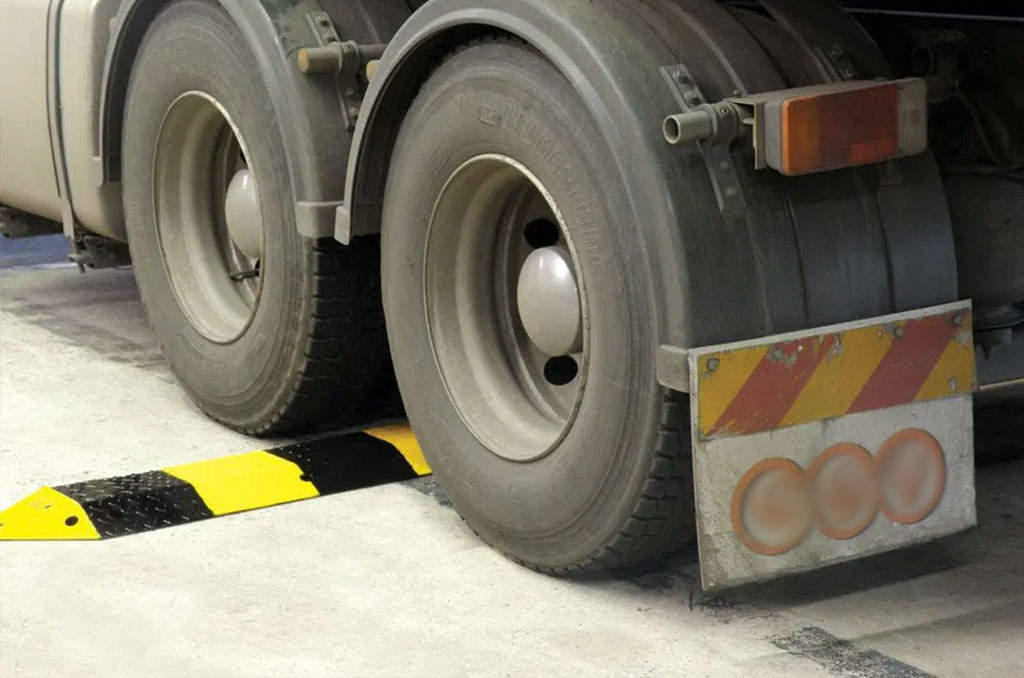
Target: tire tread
x,y
662,520
345,345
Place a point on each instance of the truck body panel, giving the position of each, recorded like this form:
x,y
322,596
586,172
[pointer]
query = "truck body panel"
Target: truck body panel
x,y
83,38
27,173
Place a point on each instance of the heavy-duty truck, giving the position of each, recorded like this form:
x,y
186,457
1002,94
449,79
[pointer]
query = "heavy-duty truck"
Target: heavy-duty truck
x,y
642,268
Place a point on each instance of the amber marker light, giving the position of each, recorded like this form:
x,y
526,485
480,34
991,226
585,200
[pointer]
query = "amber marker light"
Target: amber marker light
x,y
860,123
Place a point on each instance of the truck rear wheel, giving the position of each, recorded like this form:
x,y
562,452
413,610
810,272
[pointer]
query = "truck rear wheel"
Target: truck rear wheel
x,y
518,299
266,331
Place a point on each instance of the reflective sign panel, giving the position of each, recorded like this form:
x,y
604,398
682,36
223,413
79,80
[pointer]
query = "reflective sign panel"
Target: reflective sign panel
x,y
821,446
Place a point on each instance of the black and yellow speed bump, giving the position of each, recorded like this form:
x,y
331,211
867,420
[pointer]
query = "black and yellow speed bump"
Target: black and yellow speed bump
x,y
115,507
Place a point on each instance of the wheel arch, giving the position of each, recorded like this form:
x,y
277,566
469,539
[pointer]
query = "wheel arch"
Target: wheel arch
x,y
308,109
612,50
434,32
626,98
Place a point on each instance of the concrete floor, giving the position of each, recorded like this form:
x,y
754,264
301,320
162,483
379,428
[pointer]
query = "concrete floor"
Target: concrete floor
x,y
387,581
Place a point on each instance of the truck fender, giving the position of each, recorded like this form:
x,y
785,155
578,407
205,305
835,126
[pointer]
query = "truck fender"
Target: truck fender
x,y
613,64
615,58
617,54
314,130
818,28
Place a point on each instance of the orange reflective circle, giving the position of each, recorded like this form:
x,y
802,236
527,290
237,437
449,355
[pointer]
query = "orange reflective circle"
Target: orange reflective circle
x,y
770,510
911,472
843,490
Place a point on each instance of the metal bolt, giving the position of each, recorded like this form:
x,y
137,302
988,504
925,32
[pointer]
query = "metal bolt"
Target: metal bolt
x,y
958,319
315,60
731,192
684,128
713,364
952,384
898,331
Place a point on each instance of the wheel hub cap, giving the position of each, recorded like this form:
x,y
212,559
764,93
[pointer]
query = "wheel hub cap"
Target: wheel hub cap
x,y
208,217
549,302
506,307
242,214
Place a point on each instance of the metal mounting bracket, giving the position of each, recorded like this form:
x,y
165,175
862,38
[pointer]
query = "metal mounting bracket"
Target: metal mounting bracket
x,y
323,28
717,157
331,55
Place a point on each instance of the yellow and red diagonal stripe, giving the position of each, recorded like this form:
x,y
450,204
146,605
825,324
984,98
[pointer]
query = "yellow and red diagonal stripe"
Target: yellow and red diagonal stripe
x,y
764,387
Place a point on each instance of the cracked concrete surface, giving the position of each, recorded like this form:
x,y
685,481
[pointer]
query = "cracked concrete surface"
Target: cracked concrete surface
x,y
387,581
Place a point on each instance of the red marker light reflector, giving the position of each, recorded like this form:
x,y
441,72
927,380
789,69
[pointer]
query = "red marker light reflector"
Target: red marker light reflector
x,y
856,124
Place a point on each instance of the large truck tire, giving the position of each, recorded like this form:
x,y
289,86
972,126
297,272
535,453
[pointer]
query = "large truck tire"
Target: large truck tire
x,y
519,304
267,331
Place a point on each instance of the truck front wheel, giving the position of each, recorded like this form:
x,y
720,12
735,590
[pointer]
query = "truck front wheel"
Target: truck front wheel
x,y
266,331
522,326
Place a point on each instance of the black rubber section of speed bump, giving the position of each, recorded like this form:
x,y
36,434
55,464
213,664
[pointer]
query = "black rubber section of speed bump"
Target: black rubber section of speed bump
x,y
115,507
137,503
365,461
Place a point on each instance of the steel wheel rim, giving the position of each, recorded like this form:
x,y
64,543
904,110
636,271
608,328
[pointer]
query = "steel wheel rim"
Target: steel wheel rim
x,y
501,383
199,152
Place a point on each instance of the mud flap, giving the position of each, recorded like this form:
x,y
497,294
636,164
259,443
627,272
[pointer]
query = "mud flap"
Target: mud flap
x,y
825,445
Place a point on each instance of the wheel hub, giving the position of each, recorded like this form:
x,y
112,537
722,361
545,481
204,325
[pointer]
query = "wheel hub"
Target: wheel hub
x,y
243,215
549,302
208,216
507,307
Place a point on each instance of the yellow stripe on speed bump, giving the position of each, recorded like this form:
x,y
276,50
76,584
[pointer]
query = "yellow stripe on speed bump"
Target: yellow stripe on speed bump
x,y
404,440
114,507
46,514
235,484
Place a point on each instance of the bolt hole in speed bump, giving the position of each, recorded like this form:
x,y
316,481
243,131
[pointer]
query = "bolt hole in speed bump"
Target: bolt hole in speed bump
x,y
115,507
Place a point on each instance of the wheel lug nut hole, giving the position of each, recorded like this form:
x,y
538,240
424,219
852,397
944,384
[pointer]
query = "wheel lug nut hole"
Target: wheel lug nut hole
x,y
541,233
561,371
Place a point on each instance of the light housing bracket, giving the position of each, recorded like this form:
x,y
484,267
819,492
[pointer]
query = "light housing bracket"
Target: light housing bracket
x,y
835,125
